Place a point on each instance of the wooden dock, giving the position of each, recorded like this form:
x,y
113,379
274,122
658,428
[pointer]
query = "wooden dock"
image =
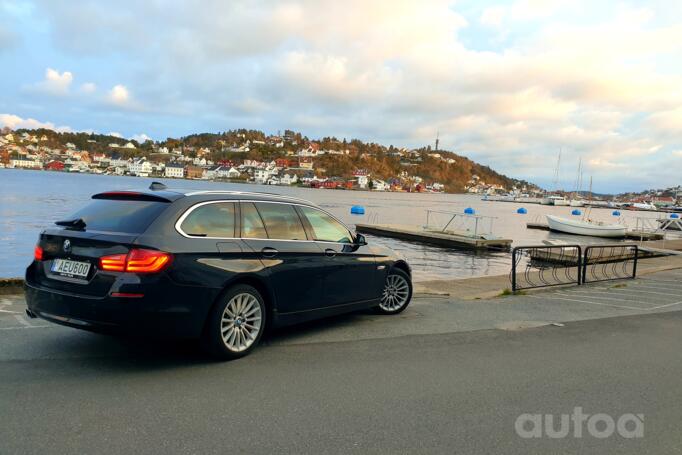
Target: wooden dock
x,y
445,239
633,235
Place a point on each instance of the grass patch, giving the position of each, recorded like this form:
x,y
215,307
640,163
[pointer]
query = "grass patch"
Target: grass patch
x,y
621,285
507,292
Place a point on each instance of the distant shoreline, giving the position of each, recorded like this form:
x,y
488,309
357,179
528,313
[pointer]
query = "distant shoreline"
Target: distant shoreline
x,y
233,181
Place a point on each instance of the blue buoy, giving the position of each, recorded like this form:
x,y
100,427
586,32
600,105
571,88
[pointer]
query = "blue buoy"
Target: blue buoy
x,y
615,213
522,211
357,210
576,212
674,216
469,211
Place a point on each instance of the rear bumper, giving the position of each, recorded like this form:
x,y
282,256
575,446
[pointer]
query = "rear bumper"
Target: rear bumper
x,y
177,313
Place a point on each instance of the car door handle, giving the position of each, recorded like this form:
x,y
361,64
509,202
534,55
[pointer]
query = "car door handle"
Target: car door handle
x,y
330,252
269,252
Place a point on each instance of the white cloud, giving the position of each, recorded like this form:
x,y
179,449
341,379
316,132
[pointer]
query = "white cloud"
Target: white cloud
x,y
15,122
119,95
141,137
55,83
115,134
601,82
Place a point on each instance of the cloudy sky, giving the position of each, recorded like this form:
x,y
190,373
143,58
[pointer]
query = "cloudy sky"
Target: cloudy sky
x,y
508,84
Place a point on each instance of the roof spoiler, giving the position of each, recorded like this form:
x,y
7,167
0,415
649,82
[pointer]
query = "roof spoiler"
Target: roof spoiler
x,y
130,196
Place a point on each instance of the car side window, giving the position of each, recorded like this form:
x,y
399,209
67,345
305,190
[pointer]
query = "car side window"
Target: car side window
x,y
326,228
252,224
281,221
211,220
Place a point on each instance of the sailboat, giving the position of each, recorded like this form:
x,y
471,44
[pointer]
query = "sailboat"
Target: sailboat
x,y
555,199
586,226
575,202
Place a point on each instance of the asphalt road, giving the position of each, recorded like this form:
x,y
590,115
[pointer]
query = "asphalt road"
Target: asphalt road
x,y
65,391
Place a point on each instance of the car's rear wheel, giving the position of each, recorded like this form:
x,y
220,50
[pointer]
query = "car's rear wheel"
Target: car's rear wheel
x,y
397,292
236,323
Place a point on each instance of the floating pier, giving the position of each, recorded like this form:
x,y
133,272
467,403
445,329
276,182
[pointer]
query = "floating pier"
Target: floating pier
x,y
633,234
440,238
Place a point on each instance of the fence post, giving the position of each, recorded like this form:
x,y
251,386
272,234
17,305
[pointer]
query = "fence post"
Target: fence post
x,y
513,277
634,265
580,265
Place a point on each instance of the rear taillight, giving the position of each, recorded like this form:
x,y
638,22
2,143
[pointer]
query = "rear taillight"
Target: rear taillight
x,y
136,261
147,261
113,263
38,253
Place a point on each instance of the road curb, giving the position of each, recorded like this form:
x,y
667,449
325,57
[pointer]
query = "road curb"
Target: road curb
x,y
11,285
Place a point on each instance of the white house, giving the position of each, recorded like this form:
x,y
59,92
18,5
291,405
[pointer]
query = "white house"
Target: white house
x,y
263,175
140,167
24,162
233,173
363,178
174,170
288,179
129,145
380,185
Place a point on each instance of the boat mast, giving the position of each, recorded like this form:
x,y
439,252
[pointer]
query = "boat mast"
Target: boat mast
x,y
556,172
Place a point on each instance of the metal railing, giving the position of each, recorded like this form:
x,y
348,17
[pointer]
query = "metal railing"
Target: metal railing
x,y
469,224
546,265
556,265
609,262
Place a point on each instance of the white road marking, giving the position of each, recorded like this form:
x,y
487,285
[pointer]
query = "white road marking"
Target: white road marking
x,y
604,292
663,288
665,306
667,294
589,302
11,312
25,327
21,320
597,297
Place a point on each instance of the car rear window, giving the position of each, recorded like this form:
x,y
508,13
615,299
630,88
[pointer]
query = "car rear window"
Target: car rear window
x,y
126,216
211,220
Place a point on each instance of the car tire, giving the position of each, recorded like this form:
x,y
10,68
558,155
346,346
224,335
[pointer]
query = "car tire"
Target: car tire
x,y
397,292
235,324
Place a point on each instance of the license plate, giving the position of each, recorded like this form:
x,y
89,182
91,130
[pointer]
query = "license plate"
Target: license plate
x,y
65,267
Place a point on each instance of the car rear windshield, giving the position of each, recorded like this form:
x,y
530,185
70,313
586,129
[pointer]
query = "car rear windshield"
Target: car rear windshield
x,y
125,216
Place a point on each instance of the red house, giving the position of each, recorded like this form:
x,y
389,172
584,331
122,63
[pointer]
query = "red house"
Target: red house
x,y
54,166
282,162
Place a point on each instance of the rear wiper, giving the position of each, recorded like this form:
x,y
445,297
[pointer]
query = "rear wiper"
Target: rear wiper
x,y
77,223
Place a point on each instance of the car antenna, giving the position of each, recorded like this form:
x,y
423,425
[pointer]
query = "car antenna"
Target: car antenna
x,y
155,186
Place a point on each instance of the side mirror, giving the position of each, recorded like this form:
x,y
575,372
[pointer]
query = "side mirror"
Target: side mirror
x,y
360,240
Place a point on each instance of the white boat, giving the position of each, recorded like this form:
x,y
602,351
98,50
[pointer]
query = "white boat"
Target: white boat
x,y
581,227
554,199
644,206
576,203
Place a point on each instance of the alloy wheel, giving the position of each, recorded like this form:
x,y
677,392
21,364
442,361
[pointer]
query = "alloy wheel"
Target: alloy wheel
x,y
396,293
240,324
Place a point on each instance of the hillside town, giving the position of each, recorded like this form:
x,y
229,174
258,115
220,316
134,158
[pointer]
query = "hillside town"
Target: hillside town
x,y
251,157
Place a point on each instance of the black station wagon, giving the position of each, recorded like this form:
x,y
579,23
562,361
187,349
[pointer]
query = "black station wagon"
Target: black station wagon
x,y
221,266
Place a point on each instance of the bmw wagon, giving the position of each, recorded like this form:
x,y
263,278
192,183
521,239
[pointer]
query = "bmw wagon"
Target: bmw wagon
x,y
219,266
